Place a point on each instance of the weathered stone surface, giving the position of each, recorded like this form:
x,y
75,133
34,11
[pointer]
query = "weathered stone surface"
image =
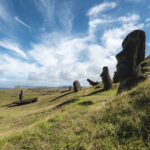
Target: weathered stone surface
x,y
21,95
76,86
129,59
70,88
93,83
106,78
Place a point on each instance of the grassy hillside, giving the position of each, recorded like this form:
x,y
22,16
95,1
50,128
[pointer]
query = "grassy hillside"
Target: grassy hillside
x,y
90,119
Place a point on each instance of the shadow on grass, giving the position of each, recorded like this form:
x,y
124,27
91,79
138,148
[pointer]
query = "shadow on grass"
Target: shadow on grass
x,y
23,102
96,92
61,96
10,105
67,102
86,103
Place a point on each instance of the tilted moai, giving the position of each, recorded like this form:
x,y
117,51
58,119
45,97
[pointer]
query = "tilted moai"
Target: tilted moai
x,y
128,67
21,95
76,86
93,83
70,88
106,78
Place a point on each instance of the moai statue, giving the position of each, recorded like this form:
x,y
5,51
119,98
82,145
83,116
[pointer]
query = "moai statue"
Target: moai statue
x,y
76,86
93,83
106,78
21,96
70,88
128,67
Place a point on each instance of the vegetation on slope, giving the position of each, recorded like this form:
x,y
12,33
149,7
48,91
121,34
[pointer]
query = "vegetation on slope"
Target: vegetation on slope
x,y
89,119
82,120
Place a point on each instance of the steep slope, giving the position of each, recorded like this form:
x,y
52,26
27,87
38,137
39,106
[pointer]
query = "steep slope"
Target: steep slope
x,y
86,120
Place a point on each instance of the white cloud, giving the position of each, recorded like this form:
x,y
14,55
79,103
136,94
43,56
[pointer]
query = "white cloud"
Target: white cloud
x,y
21,22
15,68
130,18
61,58
10,45
147,20
60,55
101,7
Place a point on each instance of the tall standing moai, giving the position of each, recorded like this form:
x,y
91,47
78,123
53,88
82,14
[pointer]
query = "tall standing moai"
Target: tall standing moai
x,y
129,61
21,95
106,78
76,86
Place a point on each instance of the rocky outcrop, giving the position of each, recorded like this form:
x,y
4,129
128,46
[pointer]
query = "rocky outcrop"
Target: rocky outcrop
x,y
128,67
93,83
76,86
106,78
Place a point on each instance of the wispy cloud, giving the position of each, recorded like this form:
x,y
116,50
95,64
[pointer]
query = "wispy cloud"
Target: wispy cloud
x,y
101,7
59,58
21,22
10,45
46,7
4,14
61,19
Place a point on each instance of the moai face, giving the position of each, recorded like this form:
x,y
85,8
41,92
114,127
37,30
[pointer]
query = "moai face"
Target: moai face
x,y
132,54
104,73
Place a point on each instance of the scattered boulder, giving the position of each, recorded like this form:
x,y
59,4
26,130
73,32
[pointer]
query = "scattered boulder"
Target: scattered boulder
x,y
128,67
76,86
106,78
93,83
21,95
70,88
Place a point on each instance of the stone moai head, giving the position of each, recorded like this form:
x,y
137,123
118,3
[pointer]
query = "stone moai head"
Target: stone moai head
x,y
130,57
21,95
76,86
106,78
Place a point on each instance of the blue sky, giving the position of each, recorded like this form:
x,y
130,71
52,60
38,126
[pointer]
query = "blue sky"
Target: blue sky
x,y
54,42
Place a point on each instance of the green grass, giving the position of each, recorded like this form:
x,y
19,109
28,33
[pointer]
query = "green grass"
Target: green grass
x,y
90,119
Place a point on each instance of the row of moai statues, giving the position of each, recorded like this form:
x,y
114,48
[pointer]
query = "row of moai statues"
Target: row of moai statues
x,y
129,63
128,67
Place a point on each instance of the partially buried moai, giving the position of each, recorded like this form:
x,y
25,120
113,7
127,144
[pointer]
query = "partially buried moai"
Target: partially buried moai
x,y
21,95
93,83
76,86
106,78
128,67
